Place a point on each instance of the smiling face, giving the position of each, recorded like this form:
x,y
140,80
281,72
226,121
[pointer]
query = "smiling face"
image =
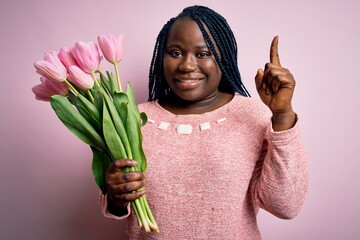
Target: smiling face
x,y
190,68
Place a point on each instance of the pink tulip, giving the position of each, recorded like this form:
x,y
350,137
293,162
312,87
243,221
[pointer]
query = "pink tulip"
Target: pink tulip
x,y
51,67
66,57
112,47
48,88
87,56
80,78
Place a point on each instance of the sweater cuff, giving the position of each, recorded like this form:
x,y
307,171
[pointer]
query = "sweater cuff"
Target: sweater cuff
x,y
105,210
286,135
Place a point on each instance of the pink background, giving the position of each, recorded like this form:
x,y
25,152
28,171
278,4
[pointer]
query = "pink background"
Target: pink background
x,y
47,190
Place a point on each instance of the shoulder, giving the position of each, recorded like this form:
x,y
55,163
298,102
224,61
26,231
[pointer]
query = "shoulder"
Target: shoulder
x,y
146,106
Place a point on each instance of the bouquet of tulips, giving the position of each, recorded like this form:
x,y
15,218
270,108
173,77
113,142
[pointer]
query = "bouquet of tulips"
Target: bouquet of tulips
x,y
94,107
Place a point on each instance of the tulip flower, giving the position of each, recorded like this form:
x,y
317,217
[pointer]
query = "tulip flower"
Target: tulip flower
x,y
112,47
66,57
51,67
113,50
80,78
48,88
87,56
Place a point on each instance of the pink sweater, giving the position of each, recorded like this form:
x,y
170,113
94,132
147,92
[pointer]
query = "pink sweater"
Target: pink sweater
x,y
210,183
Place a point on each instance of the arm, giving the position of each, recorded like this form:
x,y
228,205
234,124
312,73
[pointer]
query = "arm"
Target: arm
x,y
280,180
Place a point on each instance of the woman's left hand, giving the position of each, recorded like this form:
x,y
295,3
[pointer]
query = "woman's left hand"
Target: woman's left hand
x,y
275,86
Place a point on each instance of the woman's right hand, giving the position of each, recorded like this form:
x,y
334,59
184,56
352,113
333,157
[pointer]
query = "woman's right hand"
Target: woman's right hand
x,y
122,187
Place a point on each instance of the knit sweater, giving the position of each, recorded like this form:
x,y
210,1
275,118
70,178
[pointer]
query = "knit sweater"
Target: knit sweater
x,y
209,173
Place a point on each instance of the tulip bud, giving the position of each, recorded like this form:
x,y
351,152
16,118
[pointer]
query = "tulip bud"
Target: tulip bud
x,y
80,78
51,67
112,47
48,88
66,57
87,56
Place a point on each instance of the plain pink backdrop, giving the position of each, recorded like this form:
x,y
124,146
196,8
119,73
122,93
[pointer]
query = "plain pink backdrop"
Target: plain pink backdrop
x,y
47,189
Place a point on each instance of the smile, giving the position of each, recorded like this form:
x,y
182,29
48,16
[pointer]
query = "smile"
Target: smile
x,y
187,80
188,83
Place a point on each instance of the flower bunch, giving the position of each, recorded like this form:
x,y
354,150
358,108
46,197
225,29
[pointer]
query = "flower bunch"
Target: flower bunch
x,y
94,107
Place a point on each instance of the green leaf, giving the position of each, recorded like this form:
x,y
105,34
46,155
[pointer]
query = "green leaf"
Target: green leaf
x,y
87,110
119,126
144,118
98,101
75,122
135,138
111,136
132,101
101,162
113,85
91,108
120,100
105,82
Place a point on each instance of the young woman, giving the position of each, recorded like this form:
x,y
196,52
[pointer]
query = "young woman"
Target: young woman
x,y
214,154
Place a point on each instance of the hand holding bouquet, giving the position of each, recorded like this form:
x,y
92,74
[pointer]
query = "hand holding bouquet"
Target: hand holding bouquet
x,y
94,107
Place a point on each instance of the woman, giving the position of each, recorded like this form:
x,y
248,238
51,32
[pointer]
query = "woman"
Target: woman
x,y
214,154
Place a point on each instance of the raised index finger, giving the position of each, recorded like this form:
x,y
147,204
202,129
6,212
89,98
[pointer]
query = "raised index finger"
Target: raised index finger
x,y
274,53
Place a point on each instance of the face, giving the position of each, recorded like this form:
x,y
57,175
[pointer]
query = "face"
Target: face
x,y
190,68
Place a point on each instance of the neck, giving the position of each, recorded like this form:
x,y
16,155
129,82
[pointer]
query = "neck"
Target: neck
x,y
179,106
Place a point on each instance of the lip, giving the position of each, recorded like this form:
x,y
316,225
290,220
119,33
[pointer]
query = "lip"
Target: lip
x,y
187,83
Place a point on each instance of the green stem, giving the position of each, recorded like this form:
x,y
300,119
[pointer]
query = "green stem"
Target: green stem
x,y
136,213
90,96
95,80
142,215
149,213
71,87
118,76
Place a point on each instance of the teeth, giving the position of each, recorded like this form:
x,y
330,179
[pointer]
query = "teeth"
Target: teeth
x,y
188,81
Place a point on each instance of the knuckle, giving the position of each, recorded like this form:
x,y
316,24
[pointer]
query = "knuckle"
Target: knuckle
x,y
127,188
126,177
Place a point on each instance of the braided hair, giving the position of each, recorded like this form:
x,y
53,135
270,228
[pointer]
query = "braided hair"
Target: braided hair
x,y
223,38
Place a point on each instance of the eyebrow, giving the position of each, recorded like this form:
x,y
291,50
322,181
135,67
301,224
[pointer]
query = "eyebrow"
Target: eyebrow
x,y
176,45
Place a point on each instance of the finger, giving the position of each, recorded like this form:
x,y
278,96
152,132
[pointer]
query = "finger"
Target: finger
x,y
132,186
259,79
119,164
276,82
117,179
131,177
274,53
129,197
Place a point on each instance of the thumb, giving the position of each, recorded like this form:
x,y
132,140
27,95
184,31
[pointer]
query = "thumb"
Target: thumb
x,y
259,79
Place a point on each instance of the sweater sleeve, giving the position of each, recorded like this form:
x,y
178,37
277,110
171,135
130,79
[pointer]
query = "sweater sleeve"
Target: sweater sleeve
x,y
281,176
105,211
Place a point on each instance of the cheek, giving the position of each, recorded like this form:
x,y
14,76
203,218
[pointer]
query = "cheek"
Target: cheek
x,y
213,71
169,66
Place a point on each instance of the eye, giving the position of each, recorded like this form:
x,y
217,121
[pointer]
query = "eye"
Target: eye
x,y
175,54
203,54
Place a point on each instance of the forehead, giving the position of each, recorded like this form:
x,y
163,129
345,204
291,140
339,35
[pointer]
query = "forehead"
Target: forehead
x,y
184,27
186,32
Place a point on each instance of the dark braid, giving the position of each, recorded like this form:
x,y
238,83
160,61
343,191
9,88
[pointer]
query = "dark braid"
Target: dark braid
x,y
223,38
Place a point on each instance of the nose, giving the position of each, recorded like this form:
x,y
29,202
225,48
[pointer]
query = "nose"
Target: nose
x,y
188,64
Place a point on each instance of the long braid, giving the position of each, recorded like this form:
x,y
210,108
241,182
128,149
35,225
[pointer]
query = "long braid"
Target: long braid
x,y
224,39
156,79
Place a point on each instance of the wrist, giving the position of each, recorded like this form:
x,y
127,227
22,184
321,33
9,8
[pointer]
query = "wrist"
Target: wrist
x,y
283,121
115,208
